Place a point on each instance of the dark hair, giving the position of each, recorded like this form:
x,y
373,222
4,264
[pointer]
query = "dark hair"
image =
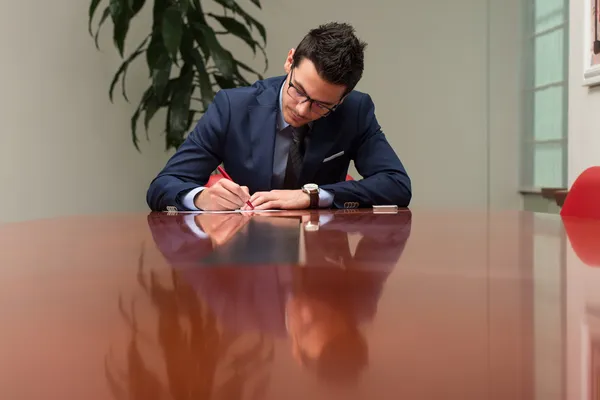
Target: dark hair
x,y
342,360
337,53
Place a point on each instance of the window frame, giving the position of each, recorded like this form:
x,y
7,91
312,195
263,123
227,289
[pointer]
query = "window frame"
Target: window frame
x,y
528,142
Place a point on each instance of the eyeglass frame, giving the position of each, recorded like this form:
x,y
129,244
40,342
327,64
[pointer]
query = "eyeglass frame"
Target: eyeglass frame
x,y
301,93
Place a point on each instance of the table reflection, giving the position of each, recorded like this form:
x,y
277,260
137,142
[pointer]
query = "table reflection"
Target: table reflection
x,y
243,289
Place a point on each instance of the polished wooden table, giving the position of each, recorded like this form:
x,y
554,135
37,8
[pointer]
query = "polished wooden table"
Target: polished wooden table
x,y
298,305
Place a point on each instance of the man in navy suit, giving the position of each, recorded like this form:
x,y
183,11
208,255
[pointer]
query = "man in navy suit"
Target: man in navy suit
x,y
287,141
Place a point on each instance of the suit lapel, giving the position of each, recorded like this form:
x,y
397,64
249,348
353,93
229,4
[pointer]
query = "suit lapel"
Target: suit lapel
x,y
263,128
322,138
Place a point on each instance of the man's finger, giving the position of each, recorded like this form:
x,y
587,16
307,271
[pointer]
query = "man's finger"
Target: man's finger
x,y
235,189
226,200
257,195
259,199
268,205
225,193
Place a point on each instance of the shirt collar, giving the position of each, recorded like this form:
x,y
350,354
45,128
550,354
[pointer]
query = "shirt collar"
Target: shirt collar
x,y
282,123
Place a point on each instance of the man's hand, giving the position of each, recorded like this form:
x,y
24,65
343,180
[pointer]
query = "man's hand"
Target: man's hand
x,y
223,195
221,227
279,199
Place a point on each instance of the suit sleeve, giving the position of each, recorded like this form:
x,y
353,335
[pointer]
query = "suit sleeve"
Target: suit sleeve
x,y
191,165
385,179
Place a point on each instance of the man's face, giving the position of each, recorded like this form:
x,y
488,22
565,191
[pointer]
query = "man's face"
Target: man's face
x,y
311,324
306,82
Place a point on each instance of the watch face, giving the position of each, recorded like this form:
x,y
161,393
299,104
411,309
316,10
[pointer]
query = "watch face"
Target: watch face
x,y
311,186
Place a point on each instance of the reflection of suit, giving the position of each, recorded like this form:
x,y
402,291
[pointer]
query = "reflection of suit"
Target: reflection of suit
x,y
254,298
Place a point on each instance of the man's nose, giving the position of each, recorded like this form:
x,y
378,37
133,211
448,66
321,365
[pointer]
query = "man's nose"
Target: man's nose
x,y
303,109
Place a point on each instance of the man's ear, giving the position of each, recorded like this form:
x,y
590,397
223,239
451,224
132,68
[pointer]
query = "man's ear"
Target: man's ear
x,y
287,66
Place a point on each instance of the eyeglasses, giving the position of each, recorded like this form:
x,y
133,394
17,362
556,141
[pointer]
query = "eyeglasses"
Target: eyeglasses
x,y
315,106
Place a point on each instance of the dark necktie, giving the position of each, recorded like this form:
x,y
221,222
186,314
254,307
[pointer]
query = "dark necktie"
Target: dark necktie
x,y
295,158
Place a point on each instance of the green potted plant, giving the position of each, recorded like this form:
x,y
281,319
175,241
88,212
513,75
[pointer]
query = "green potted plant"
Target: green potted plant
x,y
186,62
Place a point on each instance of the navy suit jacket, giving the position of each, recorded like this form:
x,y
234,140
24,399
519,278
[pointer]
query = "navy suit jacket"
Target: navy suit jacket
x,y
238,129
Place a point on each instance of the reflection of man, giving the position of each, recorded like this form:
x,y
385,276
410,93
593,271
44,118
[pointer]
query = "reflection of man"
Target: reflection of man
x,y
319,306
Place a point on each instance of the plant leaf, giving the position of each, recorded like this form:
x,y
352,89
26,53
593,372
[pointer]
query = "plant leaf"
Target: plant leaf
x,y
93,6
121,15
105,15
206,93
225,83
260,27
197,16
222,58
136,115
247,68
152,107
137,5
159,64
236,28
172,30
187,45
123,70
257,3
180,101
250,21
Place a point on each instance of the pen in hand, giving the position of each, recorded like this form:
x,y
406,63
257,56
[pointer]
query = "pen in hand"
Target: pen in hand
x,y
226,176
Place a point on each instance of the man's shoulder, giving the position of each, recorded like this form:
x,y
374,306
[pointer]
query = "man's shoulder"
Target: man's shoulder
x,y
247,94
356,97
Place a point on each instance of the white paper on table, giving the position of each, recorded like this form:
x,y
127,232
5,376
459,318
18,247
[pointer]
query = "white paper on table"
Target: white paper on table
x,y
221,212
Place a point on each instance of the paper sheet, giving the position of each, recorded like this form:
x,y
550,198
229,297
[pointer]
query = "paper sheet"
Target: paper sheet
x,y
222,212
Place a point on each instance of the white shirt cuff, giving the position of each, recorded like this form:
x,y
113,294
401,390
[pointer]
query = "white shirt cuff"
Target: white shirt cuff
x,y
325,198
188,199
191,223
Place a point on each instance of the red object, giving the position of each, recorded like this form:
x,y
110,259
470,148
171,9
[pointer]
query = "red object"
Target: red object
x,y
584,236
583,199
226,175
214,178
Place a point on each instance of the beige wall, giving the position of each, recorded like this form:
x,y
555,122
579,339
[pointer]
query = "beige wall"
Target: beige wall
x,y
584,103
433,88
64,148
441,98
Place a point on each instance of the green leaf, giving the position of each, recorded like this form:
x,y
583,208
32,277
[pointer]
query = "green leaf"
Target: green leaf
x,y
156,50
105,15
180,101
172,30
160,78
247,68
250,21
159,64
260,27
206,93
222,58
197,17
93,6
123,70
151,108
187,45
121,15
236,28
137,6
157,14
136,115
225,83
